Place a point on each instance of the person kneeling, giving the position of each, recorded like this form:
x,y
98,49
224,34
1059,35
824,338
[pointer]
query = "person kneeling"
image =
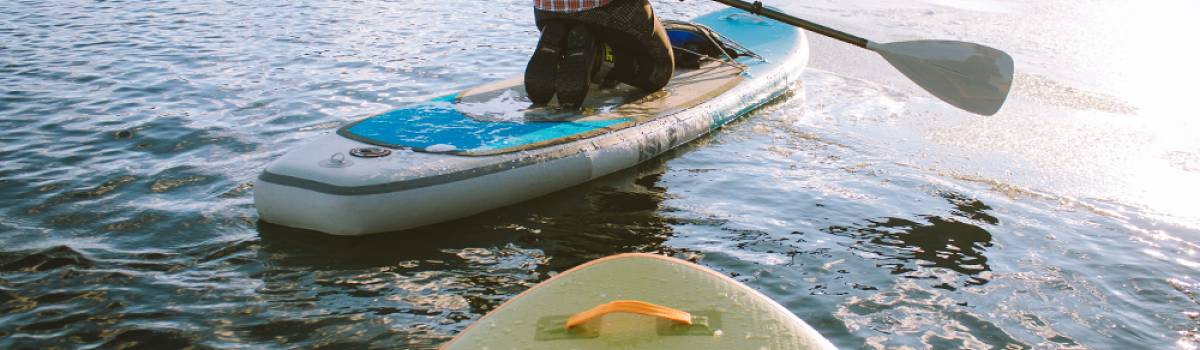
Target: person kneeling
x,y
607,41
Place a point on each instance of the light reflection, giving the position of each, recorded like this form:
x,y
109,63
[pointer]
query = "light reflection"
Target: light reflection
x,y
1135,51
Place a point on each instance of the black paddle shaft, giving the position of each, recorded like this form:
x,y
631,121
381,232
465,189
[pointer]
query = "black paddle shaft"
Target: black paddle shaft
x,y
758,9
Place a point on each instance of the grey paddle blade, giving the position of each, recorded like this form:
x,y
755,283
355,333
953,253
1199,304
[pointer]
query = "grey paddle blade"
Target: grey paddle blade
x,y
970,76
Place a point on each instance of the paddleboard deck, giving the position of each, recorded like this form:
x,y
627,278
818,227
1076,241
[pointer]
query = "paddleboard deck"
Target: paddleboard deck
x,y
724,314
499,118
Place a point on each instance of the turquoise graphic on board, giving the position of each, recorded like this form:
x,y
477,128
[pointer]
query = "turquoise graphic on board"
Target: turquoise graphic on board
x,y
438,123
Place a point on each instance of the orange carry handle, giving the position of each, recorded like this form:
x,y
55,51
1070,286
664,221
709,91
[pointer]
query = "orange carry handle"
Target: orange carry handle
x,y
633,307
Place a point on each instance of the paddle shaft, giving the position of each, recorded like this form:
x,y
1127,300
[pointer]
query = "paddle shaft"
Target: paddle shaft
x,y
758,9
973,77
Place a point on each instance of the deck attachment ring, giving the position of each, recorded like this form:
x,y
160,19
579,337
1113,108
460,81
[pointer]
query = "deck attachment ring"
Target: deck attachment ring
x,y
337,160
370,152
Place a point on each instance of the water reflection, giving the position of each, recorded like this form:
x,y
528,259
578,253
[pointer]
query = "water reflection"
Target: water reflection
x,y
611,215
128,158
907,245
423,285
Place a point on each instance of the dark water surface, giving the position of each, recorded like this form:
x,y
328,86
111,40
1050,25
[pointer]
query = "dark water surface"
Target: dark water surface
x,y
131,132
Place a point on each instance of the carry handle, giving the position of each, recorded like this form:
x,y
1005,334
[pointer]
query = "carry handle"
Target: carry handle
x,y
630,306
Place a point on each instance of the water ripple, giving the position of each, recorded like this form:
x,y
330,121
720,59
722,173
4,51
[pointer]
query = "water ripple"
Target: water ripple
x,y
131,133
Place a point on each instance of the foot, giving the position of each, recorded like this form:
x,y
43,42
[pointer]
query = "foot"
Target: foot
x,y
575,72
542,71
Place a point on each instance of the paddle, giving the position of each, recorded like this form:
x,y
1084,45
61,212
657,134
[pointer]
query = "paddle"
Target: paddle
x,y
970,76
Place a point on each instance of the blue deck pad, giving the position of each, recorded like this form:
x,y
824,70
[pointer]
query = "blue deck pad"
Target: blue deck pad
x,y
438,123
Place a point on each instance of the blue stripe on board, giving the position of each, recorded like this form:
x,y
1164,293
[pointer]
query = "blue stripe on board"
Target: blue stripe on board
x,y
438,123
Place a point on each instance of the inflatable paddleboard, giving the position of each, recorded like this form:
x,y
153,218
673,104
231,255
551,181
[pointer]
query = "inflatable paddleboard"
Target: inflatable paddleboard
x,y
488,147
639,301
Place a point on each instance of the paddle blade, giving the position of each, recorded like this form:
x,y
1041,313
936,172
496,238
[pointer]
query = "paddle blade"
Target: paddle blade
x,y
970,76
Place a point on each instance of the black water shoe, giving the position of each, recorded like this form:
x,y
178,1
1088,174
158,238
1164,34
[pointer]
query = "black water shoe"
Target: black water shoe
x,y
542,72
575,72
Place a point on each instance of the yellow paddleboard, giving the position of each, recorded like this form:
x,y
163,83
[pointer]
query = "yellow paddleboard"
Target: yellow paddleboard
x,y
639,301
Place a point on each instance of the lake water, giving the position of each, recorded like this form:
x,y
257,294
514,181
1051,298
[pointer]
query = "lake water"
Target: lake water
x,y
131,133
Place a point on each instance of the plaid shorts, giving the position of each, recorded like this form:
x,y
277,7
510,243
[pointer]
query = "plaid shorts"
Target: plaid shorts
x,y
568,5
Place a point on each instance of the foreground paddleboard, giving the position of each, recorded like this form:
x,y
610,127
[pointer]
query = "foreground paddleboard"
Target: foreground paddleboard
x,y
638,301
488,147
